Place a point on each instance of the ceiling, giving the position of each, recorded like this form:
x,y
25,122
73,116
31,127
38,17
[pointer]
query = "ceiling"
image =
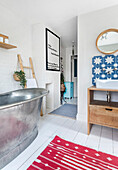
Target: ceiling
x,y
60,15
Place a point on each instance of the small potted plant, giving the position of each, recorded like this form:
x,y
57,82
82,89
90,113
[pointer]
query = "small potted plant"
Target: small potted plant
x,y
20,76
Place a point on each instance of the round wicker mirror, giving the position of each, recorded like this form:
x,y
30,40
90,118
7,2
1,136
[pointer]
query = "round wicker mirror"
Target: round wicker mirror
x,y
107,41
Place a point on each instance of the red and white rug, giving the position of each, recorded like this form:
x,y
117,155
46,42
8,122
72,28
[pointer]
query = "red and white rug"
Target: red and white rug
x,y
63,155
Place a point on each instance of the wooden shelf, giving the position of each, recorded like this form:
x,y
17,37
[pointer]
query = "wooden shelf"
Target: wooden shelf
x,y
4,44
104,103
93,88
7,46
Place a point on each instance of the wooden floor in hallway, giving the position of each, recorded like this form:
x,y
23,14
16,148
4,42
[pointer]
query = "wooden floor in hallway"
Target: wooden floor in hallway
x,y
101,138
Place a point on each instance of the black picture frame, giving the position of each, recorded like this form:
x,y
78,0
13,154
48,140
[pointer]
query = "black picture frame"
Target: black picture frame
x,y
52,51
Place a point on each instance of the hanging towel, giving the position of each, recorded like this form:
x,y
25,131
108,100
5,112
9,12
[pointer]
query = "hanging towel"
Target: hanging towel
x,y
31,83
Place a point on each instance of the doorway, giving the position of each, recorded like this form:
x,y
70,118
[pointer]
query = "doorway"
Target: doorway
x,y
69,71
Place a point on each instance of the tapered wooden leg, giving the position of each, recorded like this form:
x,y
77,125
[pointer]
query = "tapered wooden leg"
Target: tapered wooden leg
x,y
89,128
41,114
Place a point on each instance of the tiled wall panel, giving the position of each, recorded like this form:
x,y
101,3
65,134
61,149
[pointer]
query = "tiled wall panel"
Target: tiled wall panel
x,y
104,68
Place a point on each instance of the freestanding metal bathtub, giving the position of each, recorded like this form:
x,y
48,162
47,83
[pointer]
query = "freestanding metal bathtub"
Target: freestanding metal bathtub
x,y
19,114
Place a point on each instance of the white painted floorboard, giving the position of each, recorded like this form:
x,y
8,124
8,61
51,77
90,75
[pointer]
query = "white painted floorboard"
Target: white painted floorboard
x,y
101,138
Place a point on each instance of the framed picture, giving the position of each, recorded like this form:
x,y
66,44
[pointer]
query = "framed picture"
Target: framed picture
x,y
52,51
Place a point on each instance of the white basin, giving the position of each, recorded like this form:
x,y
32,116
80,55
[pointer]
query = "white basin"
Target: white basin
x,y
107,84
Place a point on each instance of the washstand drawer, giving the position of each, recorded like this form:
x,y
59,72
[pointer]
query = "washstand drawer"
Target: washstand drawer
x,y
104,115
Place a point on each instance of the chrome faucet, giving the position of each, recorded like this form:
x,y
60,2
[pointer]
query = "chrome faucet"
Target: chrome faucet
x,y
108,96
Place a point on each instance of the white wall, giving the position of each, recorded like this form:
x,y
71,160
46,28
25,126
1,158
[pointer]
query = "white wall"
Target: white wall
x,y
19,33
89,27
39,59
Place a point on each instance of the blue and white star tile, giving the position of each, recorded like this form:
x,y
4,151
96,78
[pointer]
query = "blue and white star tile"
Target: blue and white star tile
x,y
97,60
97,70
109,70
109,59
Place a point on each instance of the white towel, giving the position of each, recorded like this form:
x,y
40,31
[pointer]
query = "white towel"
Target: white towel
x,y
31,83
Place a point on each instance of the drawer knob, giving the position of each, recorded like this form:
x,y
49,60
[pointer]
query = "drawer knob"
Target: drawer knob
x,y
108,109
